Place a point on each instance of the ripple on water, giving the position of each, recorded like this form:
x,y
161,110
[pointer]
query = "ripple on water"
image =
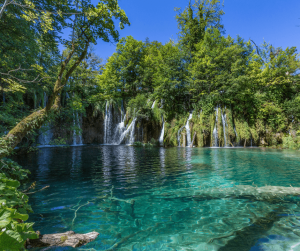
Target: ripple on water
x,y
166,215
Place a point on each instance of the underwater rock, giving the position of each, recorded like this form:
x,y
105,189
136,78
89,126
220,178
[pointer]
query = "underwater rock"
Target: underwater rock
x,y
66,239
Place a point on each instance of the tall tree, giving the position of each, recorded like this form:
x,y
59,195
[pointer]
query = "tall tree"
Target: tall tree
x,y
96,23
195,19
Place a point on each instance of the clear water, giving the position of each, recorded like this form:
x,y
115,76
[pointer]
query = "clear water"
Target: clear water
x,y
166,215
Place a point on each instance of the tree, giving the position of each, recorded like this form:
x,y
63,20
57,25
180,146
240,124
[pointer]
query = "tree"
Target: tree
x,y
195,19
97,23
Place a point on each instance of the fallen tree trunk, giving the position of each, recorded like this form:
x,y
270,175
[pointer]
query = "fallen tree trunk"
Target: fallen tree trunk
x,y
247,237
37,119
266,193
67,239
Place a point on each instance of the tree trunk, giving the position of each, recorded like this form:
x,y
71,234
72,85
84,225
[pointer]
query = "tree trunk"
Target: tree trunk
x,y
36,120
67,239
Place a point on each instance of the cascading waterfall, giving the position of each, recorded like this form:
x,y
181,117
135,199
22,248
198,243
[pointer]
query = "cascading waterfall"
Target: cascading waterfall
x,y
120,128
188,131
108,124
131,139
161,137
76,123
224,123
153,104
130,129
46,137
215,131
74,131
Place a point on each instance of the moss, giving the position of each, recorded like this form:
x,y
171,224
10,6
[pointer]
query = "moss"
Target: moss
x,y
231,137
63,238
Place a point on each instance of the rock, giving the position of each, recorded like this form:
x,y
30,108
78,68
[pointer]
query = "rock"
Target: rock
x,y
69,238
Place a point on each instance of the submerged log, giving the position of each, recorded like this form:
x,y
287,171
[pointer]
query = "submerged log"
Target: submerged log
x,y
266,193
67,239
247,237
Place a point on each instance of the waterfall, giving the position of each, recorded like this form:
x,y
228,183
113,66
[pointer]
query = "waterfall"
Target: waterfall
x,y
153,104
161,137
80,135
74,131
119,129
188,131
224,126
215,131
76,123
131,139
46,136
130,129
107,123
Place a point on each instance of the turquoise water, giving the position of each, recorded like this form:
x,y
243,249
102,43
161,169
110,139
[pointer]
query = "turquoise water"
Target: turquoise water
x,y
167,214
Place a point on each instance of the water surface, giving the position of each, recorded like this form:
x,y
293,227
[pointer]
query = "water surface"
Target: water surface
x,y
166,213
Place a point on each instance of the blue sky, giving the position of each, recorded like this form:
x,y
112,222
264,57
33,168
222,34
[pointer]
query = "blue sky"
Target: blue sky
x,y
273,21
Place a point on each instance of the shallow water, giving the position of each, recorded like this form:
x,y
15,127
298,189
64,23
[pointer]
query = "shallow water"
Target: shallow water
x,y
167,214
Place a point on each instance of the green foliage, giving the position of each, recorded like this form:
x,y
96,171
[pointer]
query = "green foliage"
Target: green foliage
x,y
58,142
290,142
137,105
195,19
138,144
13,207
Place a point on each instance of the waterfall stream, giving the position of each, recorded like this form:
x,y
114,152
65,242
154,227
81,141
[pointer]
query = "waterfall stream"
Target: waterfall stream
x,y
188,131
215,131
46,136
108,124
161,137
153,104
77,139
224,123
130,129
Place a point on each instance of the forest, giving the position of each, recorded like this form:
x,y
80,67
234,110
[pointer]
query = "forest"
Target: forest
x,y
204,89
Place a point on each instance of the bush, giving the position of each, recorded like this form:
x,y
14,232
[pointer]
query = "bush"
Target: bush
x,y
138,144
13,207
290,142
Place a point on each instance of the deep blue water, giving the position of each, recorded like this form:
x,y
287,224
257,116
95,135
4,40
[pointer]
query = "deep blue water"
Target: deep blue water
x,y
167,214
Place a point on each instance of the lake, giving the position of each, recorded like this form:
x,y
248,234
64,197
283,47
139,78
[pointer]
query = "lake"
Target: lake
x,y
148,198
